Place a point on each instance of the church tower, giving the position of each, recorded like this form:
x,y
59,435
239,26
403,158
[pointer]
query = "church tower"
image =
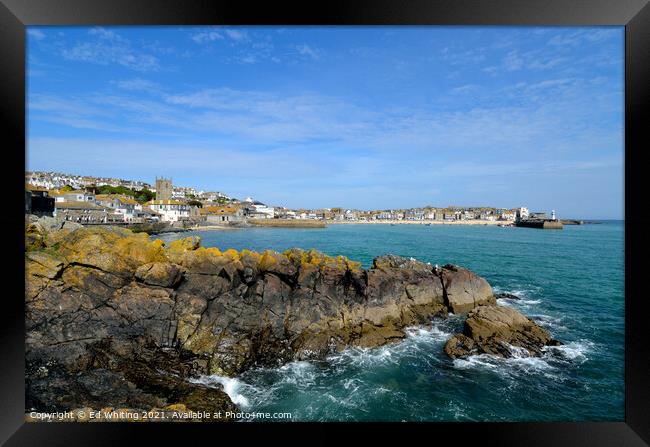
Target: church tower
x,y
163,188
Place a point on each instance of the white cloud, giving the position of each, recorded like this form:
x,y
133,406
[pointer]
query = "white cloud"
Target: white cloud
x,y
207,36
236,34
457,56
138,84
215,33
513,61
306,50
522,118
35,34
580,37
465,89
108,47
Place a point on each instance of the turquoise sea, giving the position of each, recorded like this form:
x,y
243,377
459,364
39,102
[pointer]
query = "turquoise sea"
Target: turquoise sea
x,y
570,281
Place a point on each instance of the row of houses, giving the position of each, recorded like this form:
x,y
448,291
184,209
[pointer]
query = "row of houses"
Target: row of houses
x,y
86,207
175,204
56,180
413,214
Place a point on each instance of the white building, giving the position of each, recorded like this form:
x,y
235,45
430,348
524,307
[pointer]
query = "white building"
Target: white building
x,y
523,213
74,196
259,209
178,194
127,207
267,211
170,210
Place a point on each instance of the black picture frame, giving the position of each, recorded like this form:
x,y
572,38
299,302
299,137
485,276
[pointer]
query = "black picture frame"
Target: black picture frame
x,y
633,14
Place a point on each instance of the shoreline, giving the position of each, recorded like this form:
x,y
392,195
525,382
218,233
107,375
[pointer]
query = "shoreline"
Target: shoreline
x,y
422,222
358,222
214,228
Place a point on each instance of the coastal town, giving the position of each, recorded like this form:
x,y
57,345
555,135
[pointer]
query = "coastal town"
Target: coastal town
x,y
99,200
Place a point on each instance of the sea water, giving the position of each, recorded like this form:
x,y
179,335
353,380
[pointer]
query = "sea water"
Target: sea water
x,y
570,281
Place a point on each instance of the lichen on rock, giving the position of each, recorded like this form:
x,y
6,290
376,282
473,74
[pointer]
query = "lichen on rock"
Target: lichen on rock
x,y
106,299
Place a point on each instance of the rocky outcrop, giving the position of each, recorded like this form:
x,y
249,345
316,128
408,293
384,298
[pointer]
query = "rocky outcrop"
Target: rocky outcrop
x,y
105,306
500,331
506,296
464,290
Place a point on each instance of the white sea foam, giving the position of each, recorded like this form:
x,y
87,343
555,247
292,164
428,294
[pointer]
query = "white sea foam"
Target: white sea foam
x,y
458,409
475,361
512,367
549,364
424,334
232,387
363,357
575,351
520,293
549,321
504,302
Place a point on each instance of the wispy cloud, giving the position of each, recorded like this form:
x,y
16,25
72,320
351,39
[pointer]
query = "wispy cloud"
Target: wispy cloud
x,y
538,121
139,84
35,34
459,56
415,122
579,37
108,47
207,36
306,50
219,33
235,34
557,51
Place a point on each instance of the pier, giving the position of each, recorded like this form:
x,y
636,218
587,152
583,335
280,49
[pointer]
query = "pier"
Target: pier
x,y
544,224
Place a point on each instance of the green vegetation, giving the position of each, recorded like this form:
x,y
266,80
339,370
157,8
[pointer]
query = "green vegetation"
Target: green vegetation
x,y
141,196
195,203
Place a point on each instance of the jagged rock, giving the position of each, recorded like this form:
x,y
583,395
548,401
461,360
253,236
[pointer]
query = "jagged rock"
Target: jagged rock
x,y
44,264
464,290
498,330
212,312
460,345
41,232
506,296
110,249
163,274
67,225
121,378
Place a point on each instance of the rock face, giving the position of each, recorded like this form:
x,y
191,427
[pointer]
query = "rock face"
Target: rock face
x,y
124,320
500,331
464,290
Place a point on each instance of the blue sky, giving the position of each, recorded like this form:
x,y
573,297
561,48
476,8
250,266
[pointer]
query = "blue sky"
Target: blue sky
x,y
356,117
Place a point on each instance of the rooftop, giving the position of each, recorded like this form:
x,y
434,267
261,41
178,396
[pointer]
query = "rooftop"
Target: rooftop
x,y
79,206
164,202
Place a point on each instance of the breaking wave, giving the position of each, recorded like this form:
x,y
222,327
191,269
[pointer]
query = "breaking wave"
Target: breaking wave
x,y
234,388
551,363
346,385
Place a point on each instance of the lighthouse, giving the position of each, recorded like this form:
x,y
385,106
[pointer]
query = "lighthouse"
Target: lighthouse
x,y
552,214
